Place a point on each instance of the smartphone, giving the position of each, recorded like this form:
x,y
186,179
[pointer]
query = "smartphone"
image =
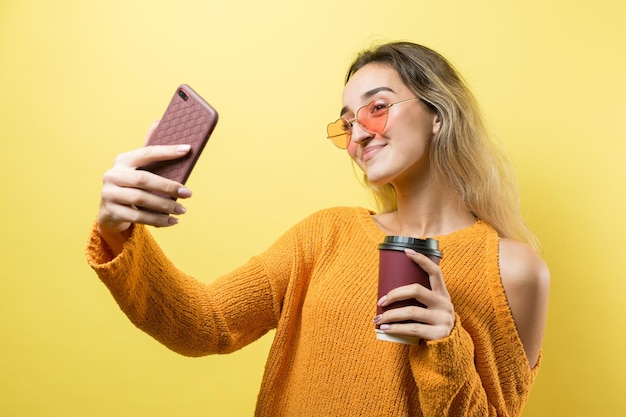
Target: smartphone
x,y
188,119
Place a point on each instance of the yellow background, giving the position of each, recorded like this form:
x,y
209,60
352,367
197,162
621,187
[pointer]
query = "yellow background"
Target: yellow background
x,y
83,80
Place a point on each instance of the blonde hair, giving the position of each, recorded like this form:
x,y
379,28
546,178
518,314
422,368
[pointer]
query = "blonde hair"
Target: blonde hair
x,y
461,152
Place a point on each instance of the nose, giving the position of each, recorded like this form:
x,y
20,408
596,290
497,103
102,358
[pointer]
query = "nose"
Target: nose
x,y
359,135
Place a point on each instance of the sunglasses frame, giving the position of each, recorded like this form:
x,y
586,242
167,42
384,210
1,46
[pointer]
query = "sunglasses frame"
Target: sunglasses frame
x,y
348,133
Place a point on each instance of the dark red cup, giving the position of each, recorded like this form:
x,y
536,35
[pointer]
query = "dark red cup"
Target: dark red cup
x,y
396,269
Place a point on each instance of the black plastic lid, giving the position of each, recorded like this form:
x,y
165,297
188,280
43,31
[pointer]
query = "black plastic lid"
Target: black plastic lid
x,y
426,246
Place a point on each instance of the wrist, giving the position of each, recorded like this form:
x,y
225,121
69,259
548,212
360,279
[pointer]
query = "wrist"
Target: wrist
x,y
115,239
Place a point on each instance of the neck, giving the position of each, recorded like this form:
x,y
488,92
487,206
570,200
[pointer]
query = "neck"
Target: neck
x,y
426,209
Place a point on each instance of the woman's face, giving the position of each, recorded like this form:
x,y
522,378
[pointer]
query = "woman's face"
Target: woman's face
x,y
400,153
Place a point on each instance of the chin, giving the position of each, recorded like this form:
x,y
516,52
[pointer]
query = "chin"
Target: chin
x,y
379,172
377,180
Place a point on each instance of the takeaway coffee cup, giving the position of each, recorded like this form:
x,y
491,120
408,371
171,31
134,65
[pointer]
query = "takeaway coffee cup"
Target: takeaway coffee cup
x,y
396,269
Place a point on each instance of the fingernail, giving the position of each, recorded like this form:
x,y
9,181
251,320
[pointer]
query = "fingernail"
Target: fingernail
x,y
409,251
376,319
382,300
172,221
183,148
180,209
184,192
384,327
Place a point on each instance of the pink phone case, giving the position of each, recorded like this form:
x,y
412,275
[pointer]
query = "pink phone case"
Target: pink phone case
x,y
187,120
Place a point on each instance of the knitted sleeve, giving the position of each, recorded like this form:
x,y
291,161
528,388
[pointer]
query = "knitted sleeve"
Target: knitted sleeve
x,y
187,315
481,374
448,382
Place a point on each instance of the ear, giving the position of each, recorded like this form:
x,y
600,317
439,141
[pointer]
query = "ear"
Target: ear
x,y
436,123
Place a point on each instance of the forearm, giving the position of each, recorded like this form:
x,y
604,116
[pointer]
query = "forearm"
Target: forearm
x,y
145,285
446,372
181,312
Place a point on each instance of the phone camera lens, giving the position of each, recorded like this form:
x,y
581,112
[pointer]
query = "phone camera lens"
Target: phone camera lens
x,y
183,95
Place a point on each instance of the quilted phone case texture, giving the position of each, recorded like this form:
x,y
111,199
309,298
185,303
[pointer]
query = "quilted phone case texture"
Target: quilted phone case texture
x,y
187,120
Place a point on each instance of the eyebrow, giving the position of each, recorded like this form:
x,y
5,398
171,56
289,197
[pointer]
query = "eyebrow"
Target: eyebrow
x,y
368,94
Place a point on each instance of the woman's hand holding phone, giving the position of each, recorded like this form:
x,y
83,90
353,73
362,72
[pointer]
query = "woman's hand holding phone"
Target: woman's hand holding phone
x,y
131,195
143,185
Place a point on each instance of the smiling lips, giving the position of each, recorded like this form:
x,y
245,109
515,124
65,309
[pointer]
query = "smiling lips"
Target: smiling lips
x,y
370,151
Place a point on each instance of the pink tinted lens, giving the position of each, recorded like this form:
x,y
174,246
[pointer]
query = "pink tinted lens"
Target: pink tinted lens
x,y
373,117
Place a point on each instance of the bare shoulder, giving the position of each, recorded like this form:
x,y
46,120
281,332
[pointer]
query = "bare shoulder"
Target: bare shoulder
x,y
526,280
521,267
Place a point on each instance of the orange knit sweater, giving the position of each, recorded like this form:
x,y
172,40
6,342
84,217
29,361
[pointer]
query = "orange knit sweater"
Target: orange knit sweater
x,y
317,286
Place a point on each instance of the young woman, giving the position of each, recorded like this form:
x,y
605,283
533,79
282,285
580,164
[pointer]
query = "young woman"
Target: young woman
x,y
409,122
